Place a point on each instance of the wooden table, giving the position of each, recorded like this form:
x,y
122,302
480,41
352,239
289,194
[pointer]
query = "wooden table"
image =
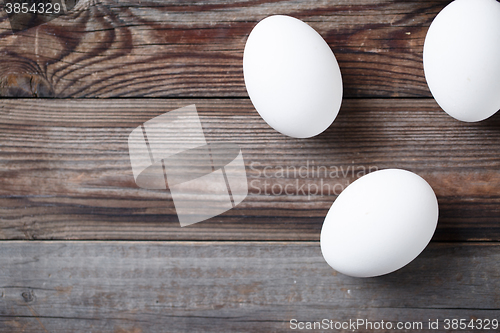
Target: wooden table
x,y
83,249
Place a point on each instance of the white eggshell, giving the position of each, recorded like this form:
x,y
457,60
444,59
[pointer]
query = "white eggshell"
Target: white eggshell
x,y
379,223
462,59
292,76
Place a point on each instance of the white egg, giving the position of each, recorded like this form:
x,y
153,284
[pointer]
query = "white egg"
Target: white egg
x,y
379,223
462,59
292,76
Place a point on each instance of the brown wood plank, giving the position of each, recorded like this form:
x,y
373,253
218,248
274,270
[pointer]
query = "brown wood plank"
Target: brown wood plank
x,y
231,287
65,172
172,48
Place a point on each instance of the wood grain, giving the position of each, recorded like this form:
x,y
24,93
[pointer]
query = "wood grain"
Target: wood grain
x,y
155,48
65,172
230,287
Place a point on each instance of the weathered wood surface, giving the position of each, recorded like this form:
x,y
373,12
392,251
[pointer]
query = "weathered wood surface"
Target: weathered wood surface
x,y
65,172
65,175
230,287
171,48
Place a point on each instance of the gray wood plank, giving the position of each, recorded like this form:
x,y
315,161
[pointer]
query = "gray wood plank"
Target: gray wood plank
x,y
65,172
79,286
172,48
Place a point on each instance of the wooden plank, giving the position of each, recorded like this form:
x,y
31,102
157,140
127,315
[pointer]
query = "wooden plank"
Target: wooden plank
x,y
158,48
65,172
231,287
